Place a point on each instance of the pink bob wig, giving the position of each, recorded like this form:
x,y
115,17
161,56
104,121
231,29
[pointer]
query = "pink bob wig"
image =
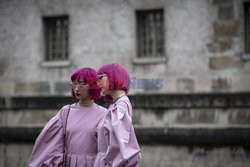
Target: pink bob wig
x,y
88,75
118,77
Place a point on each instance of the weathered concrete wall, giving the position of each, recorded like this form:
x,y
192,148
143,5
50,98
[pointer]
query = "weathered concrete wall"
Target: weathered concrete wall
x,y
204,44
203,110
204,48
157,156
188,118
192,137
164,156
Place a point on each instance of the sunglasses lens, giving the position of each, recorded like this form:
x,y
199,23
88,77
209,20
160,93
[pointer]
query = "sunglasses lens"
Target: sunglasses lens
x,y
101,76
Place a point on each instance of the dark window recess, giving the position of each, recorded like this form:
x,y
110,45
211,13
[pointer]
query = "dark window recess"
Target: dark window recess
x,y
150,33
247,26
56,38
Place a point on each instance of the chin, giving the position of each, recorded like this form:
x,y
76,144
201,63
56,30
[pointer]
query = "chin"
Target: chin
x,y
105,92
78,97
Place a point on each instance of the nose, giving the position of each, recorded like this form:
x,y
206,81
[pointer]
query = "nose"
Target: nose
x,y
98,84
77,88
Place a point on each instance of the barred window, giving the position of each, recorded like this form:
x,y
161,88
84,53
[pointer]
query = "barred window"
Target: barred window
x,y
150,33
56,38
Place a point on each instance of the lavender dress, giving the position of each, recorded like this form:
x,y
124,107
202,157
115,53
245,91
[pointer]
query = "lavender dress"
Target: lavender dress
x,y
117,143
81,138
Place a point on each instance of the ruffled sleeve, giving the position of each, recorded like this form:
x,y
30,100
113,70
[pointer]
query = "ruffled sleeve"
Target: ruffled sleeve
x,y
123,149
48,148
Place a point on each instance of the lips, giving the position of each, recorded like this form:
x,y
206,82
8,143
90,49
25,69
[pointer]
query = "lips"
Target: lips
x,y
77,94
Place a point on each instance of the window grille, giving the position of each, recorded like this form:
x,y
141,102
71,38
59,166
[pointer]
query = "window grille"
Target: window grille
x,y
56,38
150,33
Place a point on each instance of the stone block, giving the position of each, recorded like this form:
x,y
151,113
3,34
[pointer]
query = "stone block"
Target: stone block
x,y
185,85
17,155
213,47
7,88
221,84
226,12
24,118
225,45
150,118
62,88
41,88
239,116
224,62
225,29
194,116
219,46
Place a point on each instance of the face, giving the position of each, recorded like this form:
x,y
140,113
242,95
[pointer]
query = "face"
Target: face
x,y
80,89
103,83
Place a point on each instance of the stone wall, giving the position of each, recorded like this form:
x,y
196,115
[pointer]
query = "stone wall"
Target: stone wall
x,y
211,132
203,49
193,120
208,118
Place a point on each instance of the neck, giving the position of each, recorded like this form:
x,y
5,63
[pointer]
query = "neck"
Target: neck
x,y
85,102
117,94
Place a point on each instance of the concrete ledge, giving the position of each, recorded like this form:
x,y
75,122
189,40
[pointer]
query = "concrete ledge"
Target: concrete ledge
x,y
149,101
149,136
199,100
195,136
155,60
54,64
37,102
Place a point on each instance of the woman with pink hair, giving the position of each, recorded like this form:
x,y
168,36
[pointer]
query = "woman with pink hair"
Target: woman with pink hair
x,y
117,143
70,137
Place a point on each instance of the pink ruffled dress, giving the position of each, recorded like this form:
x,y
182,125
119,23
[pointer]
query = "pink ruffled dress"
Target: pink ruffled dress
x,y
81,140
117,143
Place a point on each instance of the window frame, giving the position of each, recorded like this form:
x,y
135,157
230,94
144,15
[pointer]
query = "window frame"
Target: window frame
x,y
50,57
142,58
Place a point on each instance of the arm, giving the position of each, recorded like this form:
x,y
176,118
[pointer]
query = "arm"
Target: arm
x,y
48,148
123,147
